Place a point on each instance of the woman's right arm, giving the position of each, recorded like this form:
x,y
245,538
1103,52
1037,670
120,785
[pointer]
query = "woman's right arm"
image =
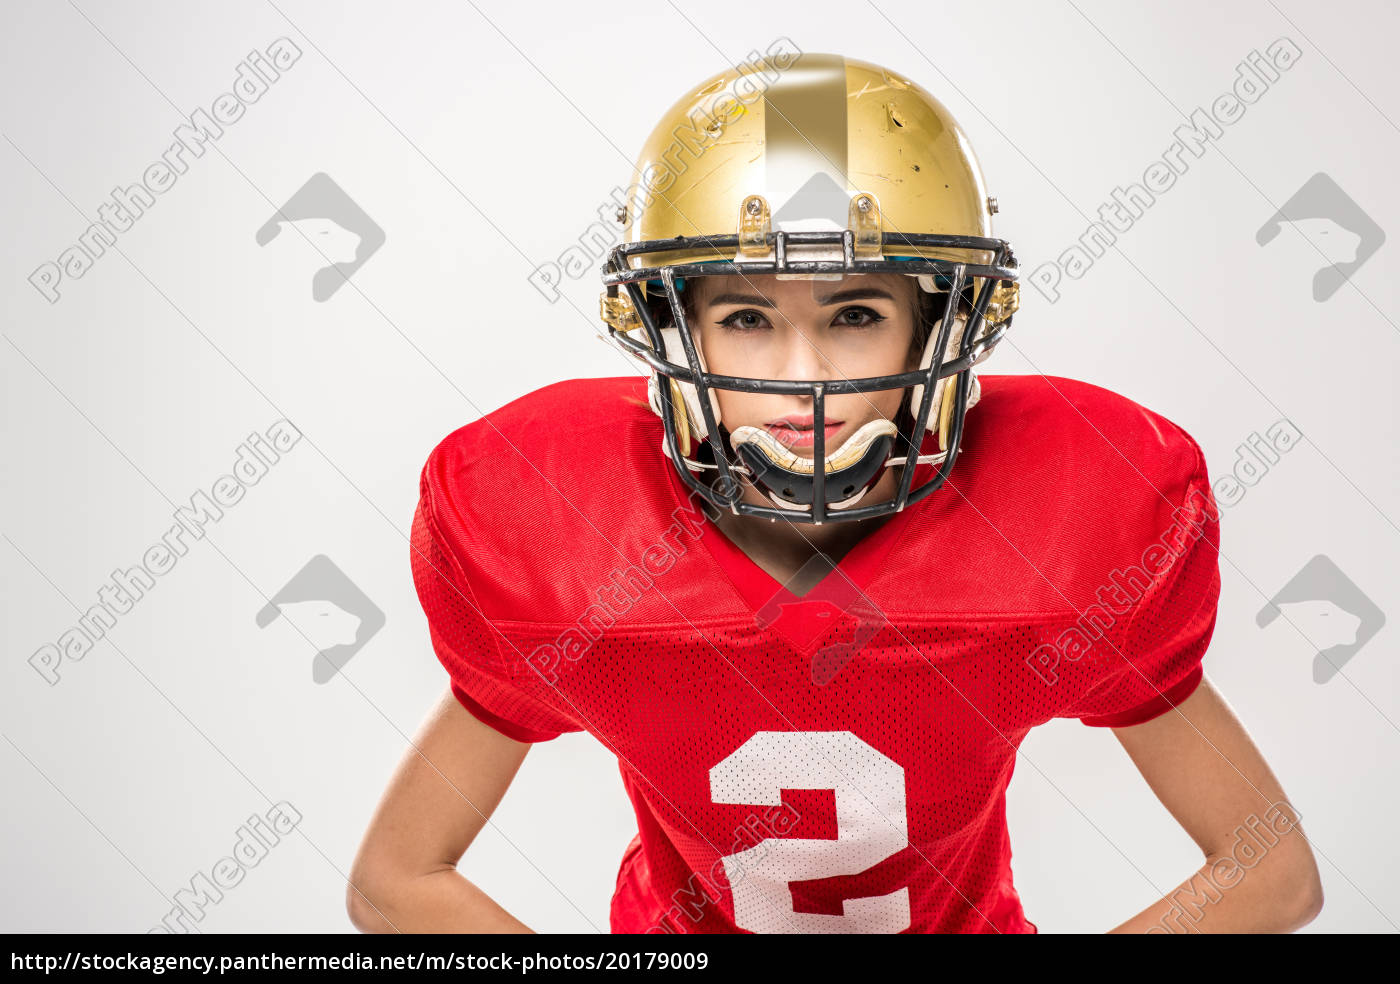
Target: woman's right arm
x,y
405,876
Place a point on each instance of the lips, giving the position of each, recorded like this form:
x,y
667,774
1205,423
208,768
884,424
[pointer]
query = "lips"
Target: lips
x,y
798,430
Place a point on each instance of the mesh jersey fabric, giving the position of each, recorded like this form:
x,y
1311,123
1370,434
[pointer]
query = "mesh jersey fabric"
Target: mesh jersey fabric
x,y
835,762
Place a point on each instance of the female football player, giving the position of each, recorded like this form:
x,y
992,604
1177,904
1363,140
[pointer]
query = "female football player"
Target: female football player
x,y
757,578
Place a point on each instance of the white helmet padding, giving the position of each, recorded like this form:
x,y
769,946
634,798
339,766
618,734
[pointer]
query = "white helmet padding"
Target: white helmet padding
x,y
675,352
950,352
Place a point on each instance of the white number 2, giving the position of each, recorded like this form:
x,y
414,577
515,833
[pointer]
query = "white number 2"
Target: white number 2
x,y
871,825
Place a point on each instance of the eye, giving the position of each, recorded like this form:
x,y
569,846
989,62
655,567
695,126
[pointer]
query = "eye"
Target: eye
x,y
868,318
744,321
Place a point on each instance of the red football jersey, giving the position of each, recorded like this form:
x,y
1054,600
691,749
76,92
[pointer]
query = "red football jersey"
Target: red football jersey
x,y
835,762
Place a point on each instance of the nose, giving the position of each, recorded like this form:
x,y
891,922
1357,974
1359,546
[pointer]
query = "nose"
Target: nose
x,y
804,356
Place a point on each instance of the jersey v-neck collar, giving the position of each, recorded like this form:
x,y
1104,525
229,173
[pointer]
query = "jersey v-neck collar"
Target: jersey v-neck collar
x,y
861,565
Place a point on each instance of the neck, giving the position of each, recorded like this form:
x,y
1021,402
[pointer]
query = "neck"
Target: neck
x,y
796,542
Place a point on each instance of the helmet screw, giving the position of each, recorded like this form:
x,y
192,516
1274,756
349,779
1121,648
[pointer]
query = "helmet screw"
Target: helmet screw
x,y
863,203
992,206
621,216
753,206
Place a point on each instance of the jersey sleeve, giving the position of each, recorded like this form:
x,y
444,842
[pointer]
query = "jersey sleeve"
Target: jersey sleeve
x,y
474,652
1157,664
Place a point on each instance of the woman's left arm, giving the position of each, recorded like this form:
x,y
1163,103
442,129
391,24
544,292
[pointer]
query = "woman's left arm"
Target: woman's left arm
x,y
1259,875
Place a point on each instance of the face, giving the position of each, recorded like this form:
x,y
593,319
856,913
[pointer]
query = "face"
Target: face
x,y
759,326
862,325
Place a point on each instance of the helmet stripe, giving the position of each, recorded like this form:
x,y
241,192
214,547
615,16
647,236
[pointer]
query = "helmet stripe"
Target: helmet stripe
x,y
804,124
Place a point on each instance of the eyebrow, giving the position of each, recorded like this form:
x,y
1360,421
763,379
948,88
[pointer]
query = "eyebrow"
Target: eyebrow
x,y
850,294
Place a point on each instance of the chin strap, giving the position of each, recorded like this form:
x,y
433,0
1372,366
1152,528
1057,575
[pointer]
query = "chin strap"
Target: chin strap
x,y
788,478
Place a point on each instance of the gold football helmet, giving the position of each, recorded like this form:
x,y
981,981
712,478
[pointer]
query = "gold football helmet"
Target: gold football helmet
x,y
812,166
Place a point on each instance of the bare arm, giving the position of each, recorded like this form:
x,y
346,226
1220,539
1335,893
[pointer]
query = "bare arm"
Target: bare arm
x,y
1259,875
405,876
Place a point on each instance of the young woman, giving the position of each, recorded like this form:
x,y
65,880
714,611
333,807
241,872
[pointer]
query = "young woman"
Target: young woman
x,y
756,576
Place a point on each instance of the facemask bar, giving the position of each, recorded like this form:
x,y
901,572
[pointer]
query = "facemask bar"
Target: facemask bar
x,y
975,342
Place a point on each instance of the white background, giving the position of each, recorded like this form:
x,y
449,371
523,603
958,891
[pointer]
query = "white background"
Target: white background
x,y
481,138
